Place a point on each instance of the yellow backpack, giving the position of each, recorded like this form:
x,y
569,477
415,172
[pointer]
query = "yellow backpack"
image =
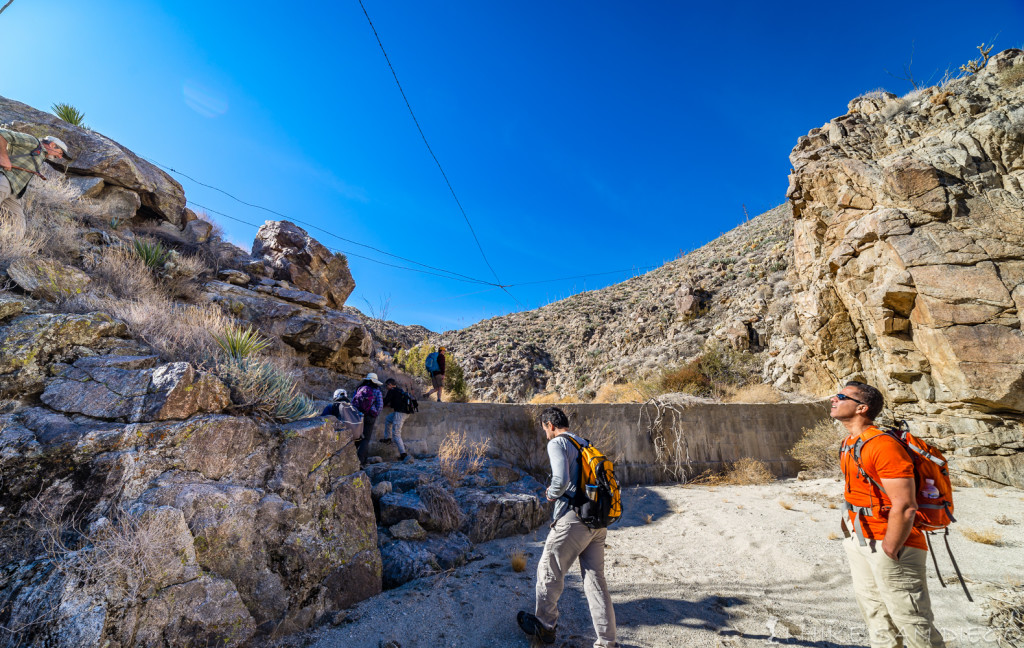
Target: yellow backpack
x,y
598,502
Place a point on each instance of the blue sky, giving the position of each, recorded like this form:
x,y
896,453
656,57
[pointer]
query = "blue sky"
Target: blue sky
x,y
581,137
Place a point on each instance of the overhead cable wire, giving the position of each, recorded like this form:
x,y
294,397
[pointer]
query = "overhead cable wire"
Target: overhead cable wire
x,y
431,151
582,276
353,254
311,225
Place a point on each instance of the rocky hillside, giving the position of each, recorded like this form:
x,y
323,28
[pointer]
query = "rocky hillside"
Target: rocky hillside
x,y
164,478
909,257
732,291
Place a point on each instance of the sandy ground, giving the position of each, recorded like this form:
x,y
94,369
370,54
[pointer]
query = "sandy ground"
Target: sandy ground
x,y
716,566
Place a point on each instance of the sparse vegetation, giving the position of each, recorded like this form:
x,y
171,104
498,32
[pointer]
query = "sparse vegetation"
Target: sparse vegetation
x,y
258,385
238,342
69,113
982,536
518,560
412,361
976,65
444,510
458,457
153,253
745,472
1005,521
786,505
818,448
715,373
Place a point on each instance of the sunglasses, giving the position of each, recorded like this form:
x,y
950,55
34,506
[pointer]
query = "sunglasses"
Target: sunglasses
x,y
843,397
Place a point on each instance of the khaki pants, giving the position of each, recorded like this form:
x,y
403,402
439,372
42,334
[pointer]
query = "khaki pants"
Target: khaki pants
x,y
10,206
893,596
568,540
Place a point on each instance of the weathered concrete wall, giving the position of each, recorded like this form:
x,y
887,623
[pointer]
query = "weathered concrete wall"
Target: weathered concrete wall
x,y
711,435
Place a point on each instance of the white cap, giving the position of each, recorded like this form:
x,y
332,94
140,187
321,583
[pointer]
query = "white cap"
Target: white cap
x,y
59,143
372,377
339,394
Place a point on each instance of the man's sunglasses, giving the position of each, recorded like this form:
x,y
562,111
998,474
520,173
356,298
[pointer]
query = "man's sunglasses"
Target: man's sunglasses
x,y
843,397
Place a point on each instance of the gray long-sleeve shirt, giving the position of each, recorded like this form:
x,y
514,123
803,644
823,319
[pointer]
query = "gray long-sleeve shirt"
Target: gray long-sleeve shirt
x,y
565,472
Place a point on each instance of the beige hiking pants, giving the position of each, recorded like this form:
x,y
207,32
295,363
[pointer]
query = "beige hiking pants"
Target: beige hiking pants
x,y
10,206
568,540
893,596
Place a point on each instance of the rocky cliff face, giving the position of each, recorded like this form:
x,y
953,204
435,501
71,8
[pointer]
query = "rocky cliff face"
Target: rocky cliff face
x,y
909,254
134,511
732,291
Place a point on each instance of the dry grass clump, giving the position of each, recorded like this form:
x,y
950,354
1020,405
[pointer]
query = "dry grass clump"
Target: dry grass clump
x,y
755,393
612,393
549,398
458,457
17,240
718,371
982,536
178,333
745,472
518,560
786,505
818,448
445,513
1007,613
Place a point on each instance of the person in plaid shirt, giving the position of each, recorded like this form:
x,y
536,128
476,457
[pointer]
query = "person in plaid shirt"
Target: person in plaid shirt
x,y
21,158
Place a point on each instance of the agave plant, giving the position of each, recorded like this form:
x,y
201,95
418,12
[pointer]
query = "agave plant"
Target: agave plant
x,y
69,113
237,342
152,253
259,386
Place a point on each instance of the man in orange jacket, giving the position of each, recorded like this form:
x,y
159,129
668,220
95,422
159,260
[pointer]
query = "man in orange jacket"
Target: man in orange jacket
x,y
887,554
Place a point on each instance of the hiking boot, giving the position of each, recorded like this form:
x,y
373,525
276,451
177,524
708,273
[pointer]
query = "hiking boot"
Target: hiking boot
x,y
532,626
402,456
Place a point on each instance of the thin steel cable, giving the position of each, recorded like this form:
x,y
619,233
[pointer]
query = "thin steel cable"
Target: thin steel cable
x,y
583,276
310,225
431,151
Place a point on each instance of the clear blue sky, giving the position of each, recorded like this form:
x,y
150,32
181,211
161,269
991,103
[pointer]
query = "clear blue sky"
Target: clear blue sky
x,y
580,137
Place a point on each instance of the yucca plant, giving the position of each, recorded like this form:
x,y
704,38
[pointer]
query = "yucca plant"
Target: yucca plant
x,y
237,342
69,113
152,253
259,386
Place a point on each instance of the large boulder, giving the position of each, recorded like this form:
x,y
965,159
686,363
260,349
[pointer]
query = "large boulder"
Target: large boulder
x,y
101,157
296,257
909,251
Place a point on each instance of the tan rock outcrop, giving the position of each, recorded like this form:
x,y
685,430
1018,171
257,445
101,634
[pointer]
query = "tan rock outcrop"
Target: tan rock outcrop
x,y
296,257
909,249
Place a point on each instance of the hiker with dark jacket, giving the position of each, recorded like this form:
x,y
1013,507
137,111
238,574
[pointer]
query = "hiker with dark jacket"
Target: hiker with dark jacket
x,y
403,405
23,157
369,401
436,369
568,540
887,555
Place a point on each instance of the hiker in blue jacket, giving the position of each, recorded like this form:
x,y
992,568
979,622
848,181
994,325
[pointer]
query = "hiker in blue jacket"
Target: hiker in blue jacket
x,y
369,401
435,367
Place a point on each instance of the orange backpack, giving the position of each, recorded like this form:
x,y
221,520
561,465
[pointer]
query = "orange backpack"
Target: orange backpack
x,y
931,483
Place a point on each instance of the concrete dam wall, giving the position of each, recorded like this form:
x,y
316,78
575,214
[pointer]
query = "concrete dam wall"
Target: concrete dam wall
x,y
649,444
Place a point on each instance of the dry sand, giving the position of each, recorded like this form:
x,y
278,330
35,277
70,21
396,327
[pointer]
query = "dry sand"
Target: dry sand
x,y
716,566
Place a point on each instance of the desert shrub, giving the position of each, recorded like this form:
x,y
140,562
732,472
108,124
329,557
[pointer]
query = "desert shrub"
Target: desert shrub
x,y
714,373
755,393
982,536
178,333
626,393
545,398
1012,77
458,457
69,113
413,361
17,241
258,385
445,513
123,273
238,342
687,380
818,448
517,558
747,471
153,253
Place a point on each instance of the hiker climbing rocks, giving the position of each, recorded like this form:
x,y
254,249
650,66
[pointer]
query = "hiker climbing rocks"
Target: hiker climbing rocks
x,y
886,552
435,367
22,158
403,405
568,540
367,400
348,418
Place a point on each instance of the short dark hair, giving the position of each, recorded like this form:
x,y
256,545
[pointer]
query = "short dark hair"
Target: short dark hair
x,y
555,417
391,381
871,397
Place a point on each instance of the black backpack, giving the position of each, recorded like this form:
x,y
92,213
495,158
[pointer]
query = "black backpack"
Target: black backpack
x,y
404,403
